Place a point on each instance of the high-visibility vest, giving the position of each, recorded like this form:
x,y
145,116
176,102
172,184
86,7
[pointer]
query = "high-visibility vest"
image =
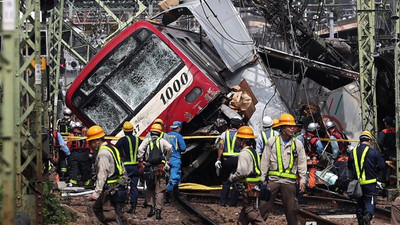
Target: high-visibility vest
x,y
132,152
230,145
361,177
119,171
255,175
280,172
264,135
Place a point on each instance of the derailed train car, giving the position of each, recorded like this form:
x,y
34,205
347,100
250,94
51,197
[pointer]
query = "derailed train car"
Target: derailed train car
x,y
153,70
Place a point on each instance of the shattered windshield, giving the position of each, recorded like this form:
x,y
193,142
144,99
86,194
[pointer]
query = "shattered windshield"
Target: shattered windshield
x,y
105,111
124,78
140,75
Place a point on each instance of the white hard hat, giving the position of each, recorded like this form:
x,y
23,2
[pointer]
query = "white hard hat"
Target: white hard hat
x,y
67,111
267,121
329,124
312,127
72,125
78,124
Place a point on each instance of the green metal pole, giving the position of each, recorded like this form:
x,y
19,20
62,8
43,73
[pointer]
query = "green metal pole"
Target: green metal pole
x,y
8,121
366,35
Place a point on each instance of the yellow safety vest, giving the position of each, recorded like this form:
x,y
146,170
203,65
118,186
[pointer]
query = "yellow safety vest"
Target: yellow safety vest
x,y
119,171
362,177
132,152
255,176
280,172
230,145
264,135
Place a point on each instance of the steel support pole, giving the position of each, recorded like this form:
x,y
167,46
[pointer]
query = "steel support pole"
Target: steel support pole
x,y
366,35
7,106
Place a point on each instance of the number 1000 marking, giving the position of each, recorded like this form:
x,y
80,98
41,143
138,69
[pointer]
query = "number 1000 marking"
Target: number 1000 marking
x,y
176,87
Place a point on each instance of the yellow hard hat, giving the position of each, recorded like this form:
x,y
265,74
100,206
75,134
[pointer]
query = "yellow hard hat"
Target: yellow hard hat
x,y
275,123
95,132
287,119
128,126
160,121
156,127
367,134
245,132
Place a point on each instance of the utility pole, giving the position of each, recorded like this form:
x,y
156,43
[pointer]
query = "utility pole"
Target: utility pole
x,y
366,35
8,123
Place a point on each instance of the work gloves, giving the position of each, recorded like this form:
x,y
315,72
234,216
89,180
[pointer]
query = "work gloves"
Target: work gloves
x,y
166,167
231,178
218,164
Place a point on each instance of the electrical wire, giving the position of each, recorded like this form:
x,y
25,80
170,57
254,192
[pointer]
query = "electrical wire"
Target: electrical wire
x,y
232,40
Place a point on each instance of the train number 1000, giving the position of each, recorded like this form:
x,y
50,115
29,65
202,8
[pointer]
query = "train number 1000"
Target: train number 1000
x,y
170,91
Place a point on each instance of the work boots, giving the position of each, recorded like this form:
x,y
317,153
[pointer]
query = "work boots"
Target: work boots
x,y
158,214
132,210
152,211
366,219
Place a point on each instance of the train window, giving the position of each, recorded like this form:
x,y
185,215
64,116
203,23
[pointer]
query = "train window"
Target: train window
x,y
118,57
137,78
105,111
193,94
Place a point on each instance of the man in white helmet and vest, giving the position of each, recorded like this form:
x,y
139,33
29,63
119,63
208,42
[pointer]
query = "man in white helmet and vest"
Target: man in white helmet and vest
x,y
111,178
282,159
266,134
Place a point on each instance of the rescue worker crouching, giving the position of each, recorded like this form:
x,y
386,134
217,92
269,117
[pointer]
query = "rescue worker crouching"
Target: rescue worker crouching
x,y
128,147
282,159
80,158
365,163
154,153
228,151
313,148
248,176
111,178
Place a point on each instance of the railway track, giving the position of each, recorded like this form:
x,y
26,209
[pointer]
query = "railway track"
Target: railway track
x,y
312,208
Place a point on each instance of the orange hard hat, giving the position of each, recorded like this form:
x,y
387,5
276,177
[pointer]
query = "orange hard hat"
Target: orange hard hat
x,y
245,132
275,123
287,119
160,121
156,127
95,132
128,126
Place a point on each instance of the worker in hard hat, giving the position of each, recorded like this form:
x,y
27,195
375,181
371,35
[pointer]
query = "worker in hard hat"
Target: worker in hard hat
x,y
265,134
155,153
339,148
162,134
365,163
387,144
128,148
64,123
227,161
283,158
248,175
79,160
111,178
314,148
178,146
